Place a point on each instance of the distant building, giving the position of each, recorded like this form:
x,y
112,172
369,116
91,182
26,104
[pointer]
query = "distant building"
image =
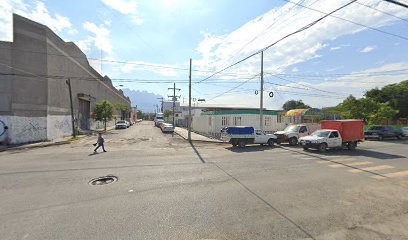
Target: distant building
x,y
34,95
210,119
309,115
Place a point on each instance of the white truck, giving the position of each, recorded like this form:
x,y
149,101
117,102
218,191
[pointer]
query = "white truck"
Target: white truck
x,y
241,136
335,134
292,133
158,119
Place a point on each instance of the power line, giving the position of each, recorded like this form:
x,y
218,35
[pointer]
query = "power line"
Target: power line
x,y
281,39
355,23
264,31
311,87
397,3
383,12
239,85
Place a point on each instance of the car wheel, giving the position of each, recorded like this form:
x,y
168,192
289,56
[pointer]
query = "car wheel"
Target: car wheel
x,y
322,147
293,141
352,145
271,142
242,143
399,137
305,148
380,138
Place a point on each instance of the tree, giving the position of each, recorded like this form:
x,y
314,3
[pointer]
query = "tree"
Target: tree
x,y
384,111
123,108
294,104
395,95
167,113
362,108
104,112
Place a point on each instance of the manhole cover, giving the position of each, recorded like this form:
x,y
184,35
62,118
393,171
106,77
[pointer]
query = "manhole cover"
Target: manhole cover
x,y
103,180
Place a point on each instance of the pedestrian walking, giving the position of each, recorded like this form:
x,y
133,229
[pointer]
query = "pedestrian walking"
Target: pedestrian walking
x,y
100,143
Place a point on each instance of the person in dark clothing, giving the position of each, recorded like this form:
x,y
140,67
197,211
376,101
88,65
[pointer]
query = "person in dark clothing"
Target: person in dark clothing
x,y
100,143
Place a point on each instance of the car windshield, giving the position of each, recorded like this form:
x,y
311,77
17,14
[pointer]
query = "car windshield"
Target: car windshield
x,y
321,133
376,128
121,121
292,128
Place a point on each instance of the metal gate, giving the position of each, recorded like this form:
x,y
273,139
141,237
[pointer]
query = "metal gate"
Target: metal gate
x,y
84,114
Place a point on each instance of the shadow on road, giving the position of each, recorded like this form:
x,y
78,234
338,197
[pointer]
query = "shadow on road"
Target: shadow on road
x,y
359,153
255,148
196,151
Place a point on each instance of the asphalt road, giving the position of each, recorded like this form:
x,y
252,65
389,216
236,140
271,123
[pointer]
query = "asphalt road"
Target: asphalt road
x,y
169,189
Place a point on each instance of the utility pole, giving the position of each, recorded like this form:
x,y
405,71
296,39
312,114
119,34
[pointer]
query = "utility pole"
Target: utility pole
x,y
189,104
174,98
72,108
261,95
161,101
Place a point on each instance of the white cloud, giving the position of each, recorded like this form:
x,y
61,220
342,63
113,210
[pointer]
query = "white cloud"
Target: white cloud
x,y
367,49
295,69
220,51
126,7
101,38
122,6
108,22
36,12
137,20
161,69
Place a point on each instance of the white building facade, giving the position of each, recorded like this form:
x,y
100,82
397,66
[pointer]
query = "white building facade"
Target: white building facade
x,y
211,122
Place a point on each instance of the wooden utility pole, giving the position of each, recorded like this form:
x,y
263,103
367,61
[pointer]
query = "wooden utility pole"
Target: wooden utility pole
x,y
189,105
261,96
174,98
72,107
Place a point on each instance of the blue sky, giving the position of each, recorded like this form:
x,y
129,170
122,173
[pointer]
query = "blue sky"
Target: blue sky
x,y
153,40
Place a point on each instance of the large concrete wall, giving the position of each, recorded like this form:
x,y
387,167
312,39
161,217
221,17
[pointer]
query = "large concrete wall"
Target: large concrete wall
x,y
36,105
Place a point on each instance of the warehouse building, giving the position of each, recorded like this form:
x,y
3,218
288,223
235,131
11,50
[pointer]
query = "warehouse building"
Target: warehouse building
x,y
34,94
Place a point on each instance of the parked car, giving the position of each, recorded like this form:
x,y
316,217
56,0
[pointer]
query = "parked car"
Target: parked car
x,y
127,123
335,134
121,124
404,131
167,127
381,132
242,136
292,133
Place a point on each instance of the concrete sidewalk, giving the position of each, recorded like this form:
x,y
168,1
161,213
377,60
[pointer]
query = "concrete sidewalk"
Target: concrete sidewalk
x,y
54,142
182,132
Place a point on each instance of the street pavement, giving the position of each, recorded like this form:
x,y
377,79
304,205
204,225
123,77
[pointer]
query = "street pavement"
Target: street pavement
x,y
168,188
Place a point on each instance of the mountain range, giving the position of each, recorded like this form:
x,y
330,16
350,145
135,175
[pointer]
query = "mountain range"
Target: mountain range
x,y
145,101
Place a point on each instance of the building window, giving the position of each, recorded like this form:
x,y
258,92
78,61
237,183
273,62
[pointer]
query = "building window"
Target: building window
x,y
268,121
279,118
225,121
237,121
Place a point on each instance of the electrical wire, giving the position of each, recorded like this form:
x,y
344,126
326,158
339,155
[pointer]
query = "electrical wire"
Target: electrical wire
x,y
383,12
281,39
349,21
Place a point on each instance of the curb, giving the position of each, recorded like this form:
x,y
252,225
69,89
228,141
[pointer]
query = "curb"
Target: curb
x,y
13,148
202,141
39,144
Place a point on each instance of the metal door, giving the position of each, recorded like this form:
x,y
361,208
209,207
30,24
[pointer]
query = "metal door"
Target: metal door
x,y
84,114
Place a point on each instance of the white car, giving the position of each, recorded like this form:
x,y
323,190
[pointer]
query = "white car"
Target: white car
x,y
404,131
166,127
121,124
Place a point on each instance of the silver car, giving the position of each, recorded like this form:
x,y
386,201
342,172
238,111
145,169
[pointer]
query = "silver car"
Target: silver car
x,y
404,131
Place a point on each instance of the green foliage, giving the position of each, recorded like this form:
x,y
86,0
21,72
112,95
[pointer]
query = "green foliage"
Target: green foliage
x,y
294,104
167,113
104,112
383,111
123,109
395,95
